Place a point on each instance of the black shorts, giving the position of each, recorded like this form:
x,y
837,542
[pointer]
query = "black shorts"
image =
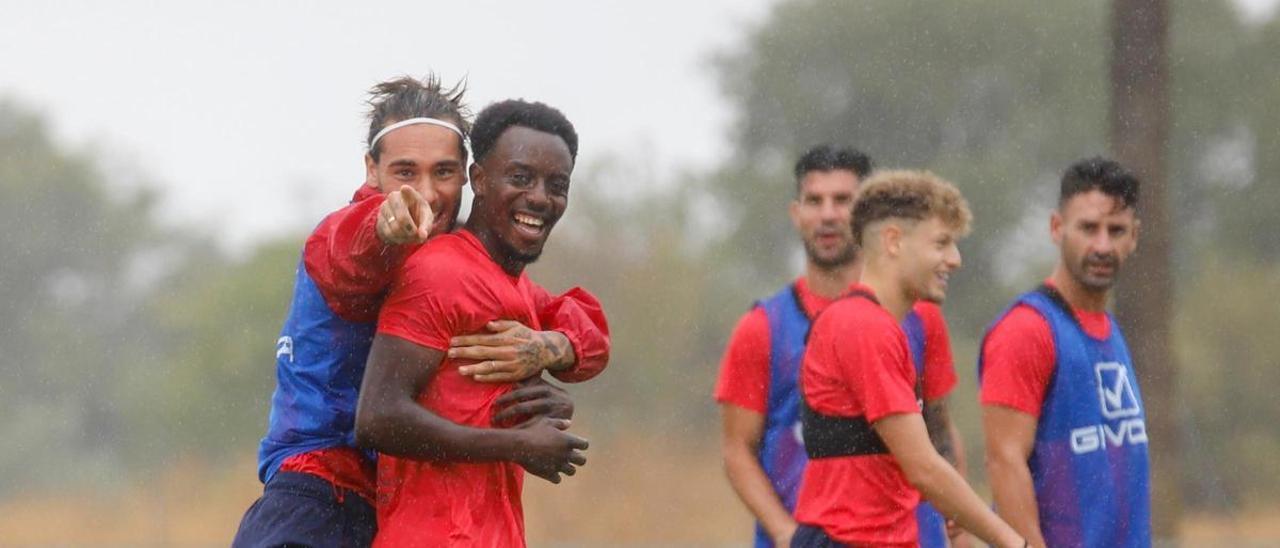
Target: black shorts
x,y
304,510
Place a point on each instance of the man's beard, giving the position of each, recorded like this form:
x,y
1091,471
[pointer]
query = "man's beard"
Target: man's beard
x,y
842,257
1081,273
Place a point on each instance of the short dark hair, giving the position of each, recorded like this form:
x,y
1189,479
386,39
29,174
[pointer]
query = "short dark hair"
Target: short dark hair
x,y
406,97
827,157
1101,174
496,118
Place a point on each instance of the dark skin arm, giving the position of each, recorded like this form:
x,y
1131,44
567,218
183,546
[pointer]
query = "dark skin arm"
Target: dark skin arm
x,y
533,397
390,420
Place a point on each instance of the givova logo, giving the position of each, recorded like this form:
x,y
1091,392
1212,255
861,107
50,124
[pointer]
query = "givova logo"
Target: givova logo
x,y
1119,405
1116,392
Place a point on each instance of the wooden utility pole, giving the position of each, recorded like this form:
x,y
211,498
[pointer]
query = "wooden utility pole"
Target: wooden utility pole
x,y
1139,137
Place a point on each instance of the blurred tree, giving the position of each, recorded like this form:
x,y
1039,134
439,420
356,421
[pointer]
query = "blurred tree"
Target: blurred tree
x,y
999,96
996,95
72,245
1139,140
670,303
216,321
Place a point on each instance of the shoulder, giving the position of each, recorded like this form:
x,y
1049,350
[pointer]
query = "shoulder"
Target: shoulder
x,y
855,318
1020,321
752,326
442,255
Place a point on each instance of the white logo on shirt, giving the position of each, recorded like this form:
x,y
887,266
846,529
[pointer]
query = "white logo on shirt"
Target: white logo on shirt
x,y
1115,391
1118,401
284,347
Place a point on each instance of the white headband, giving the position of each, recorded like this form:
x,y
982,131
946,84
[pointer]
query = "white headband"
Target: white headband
x,y
414,121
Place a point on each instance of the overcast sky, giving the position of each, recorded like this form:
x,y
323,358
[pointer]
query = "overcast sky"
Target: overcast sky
x,y
249,115
237,109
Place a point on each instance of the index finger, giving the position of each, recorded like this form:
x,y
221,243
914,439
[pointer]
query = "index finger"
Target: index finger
x,y
410,196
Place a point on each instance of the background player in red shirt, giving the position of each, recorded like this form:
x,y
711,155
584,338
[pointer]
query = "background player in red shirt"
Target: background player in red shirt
x,y
869,446
763,454
446,478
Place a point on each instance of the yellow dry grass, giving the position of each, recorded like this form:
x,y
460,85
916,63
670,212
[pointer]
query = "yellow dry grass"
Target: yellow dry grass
x,y
646,492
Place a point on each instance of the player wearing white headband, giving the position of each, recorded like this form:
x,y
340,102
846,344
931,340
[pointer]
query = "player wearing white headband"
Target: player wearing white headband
x,y
319,487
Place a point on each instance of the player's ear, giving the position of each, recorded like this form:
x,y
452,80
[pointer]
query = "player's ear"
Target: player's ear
x,y
890,236
370,171
1055,226
478,179
794,211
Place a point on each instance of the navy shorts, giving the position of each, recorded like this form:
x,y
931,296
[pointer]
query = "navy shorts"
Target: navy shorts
x,y
303,510
811,536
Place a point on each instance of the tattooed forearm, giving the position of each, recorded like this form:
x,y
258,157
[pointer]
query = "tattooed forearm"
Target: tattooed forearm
x,y
937,421
553,350
548,350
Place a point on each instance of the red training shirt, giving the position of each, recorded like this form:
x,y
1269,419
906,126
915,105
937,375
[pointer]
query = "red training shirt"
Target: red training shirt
x,y
744,369
452,287
352,269
858,363
1018,357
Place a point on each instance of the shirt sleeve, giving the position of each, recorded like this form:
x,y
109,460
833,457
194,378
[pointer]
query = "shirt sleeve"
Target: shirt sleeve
x,y
1018,362
350,266
580,317
744,369
939,367
877,365
423,304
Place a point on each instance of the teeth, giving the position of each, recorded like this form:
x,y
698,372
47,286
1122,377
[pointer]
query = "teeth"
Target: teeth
x,y
528,220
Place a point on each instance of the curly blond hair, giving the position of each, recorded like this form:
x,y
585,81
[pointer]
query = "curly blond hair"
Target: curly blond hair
x,y
907,194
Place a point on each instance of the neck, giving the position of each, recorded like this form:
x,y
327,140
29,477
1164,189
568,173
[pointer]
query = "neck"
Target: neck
x,y
497,253
830,283
887,285
1076,294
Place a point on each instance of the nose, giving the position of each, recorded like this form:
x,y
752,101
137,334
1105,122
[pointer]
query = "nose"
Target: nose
x,y
536,197
953,257
432,197
831,212
1103,244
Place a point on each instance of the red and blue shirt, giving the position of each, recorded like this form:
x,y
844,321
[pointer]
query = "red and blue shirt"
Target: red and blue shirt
x,y
340,283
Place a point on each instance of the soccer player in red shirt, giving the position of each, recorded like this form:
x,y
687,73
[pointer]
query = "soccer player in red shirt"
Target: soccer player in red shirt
x,y
445,476
870,452
757,388
319,487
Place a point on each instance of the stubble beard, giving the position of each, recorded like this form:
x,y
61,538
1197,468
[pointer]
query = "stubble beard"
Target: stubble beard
x,y
842,258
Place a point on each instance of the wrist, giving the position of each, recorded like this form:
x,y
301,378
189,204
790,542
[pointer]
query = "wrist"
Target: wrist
x,y
560,352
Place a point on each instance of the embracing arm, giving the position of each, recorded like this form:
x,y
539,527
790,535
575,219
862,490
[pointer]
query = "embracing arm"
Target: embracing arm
x,y
579,317
574,348
348,259
390,420
908,441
